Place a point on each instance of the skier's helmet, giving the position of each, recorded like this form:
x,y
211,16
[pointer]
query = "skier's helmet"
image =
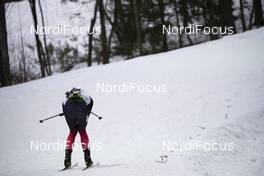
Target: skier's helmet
x,y
74,91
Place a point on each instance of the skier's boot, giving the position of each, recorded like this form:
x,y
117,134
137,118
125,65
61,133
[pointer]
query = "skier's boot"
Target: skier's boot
x,y
87,158
67,160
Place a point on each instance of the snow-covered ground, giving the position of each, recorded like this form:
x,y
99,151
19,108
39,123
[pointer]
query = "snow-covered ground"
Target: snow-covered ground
x,y
213,94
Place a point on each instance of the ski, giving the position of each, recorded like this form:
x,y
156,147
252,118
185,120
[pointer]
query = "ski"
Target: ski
x,y
66,168
87,167
92,165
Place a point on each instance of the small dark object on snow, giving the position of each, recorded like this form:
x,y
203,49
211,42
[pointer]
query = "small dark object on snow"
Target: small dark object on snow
x,y
163,159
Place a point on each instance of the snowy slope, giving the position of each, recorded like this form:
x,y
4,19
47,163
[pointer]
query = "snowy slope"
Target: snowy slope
x,y
215,93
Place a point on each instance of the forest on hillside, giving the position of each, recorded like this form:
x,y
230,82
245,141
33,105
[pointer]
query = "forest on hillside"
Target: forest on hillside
x,y
128,29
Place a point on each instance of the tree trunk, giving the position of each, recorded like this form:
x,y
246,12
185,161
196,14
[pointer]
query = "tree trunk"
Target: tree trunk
x,y
120,19
5,75
105,56
210,17
162,17
113,29
178,21
23,57
38,43
138,26
91,30
226,14
257,5
185,15
242,15
49,72
251,18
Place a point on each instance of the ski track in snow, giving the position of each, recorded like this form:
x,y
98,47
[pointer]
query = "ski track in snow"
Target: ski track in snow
x,y
215,94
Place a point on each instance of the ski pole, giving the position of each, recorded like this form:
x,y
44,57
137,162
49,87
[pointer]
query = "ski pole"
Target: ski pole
x,y
60,114
99,117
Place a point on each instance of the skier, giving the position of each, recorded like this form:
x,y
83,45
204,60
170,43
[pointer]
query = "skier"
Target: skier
x,y
76,109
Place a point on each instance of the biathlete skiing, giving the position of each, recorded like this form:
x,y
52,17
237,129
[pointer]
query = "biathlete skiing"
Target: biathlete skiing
x,y
76,109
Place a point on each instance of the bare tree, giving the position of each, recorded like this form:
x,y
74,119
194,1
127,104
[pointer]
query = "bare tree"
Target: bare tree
x,y
49,72
23,57
251,18
186,17
209,14
137,25
226,14
5,75
257,5
40,52
177,21
162,17
242,15
113,24
91,30
105,55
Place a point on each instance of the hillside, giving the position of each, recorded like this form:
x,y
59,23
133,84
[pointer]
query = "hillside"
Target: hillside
x,y
214,93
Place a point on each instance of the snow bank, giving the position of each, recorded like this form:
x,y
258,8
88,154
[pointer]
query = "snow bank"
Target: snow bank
x,y
215,92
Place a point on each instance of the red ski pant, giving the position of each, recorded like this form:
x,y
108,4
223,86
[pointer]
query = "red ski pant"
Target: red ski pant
x,y
71,139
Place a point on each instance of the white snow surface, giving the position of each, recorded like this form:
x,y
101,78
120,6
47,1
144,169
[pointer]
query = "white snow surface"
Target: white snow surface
x,y
215,93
